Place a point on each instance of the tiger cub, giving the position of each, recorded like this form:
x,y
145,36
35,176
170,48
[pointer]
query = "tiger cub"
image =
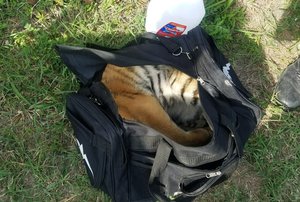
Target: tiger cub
x,y
161,97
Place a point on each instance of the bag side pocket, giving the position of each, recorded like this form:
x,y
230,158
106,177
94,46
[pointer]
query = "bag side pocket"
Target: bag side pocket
x,y
92,148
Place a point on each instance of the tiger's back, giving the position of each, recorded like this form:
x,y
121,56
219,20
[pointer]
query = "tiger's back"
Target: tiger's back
x,y
159,92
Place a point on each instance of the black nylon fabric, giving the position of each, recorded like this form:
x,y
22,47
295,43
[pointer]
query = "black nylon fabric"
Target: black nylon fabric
x,y
188,171
84,62
152,50
100,141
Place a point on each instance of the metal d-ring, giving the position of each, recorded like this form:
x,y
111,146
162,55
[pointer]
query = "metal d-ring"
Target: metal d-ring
x,y
178,52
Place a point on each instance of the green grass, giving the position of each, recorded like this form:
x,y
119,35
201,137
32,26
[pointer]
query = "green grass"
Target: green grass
x,y
38,157
289,25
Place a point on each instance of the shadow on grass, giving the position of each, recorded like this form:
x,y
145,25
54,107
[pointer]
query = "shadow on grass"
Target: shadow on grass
x,y
289,26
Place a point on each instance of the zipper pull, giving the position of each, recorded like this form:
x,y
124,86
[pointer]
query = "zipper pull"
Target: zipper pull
x,y
188,55
95,100
98,102
213,174
175,195
201,80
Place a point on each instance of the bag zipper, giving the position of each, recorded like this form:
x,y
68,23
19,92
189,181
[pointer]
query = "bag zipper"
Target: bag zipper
x,y
197,74
206,175
227,80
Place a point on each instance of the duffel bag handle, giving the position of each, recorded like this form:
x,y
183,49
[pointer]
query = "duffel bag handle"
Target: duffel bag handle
x,y
160,163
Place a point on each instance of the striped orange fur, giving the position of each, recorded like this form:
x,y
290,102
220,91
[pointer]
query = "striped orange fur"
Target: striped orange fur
x,y
161,97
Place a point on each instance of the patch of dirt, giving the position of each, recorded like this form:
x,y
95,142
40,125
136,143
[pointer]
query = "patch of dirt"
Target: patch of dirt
x,y
263,18
245,178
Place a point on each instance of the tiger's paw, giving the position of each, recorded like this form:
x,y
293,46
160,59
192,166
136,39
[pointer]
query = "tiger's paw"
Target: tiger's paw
x,y
199,137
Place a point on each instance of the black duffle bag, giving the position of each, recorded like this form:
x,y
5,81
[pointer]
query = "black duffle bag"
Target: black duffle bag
x,y
131,161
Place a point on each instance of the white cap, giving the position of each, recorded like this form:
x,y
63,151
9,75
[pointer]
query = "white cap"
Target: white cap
x,y
173,17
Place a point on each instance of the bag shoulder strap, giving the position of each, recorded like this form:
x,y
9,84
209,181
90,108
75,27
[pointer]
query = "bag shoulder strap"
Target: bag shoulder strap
x,y
160,163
